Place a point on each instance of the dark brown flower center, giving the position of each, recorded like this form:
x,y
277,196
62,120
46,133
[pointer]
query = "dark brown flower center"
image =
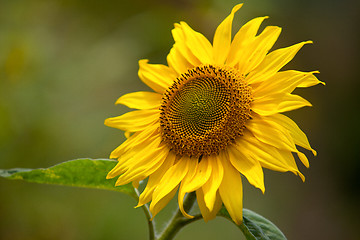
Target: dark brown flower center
x,y
204,110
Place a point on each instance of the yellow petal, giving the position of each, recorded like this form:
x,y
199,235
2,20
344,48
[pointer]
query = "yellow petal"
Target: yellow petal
x,y
267,104
170,180
303,159
289,159
208,215
273,62
141,100
190,184
154,180
271,134
190,174
177,61
287,162
198,44
296,133
269,156
248,166
242,39
136,139
155,207
127,134
231,192
278,102
183,51
212,185
286,124
116,171
309,82
256,51
291,102
134,121
129,158
157,76
201,176
222,37
285,81
145,165
136,183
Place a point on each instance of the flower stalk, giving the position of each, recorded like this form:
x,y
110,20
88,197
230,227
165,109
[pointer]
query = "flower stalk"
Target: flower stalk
x,y
151,224
178,220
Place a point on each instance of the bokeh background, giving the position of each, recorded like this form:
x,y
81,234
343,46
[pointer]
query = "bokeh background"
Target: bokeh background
x,y
63,63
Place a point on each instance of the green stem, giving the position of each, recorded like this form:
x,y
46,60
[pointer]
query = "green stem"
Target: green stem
x,y
178,220
151,224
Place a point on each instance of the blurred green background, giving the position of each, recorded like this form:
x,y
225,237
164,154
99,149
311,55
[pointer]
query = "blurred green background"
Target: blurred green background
x,y
63,63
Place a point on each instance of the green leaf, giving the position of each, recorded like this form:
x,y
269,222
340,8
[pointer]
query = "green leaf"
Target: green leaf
x,y
255,226
88,173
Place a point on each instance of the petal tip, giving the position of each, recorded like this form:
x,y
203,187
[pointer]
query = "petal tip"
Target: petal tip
x,y
142,62
301,176
107,122
119,100
236,8
110,175
314,152
113,155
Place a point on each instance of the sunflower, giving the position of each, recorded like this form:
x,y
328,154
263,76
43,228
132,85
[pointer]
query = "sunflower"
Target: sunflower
x,y
215,116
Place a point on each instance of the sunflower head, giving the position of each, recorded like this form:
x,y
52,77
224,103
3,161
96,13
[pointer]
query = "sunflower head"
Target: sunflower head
x,y
204,110
215,116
